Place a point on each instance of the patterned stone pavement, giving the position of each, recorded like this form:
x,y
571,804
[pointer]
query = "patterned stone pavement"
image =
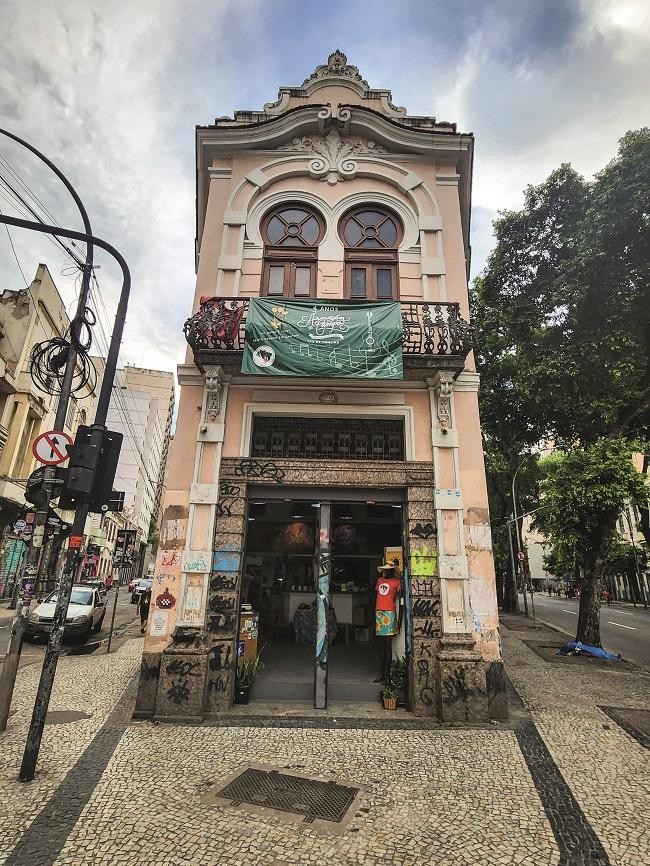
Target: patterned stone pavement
x,y
561,784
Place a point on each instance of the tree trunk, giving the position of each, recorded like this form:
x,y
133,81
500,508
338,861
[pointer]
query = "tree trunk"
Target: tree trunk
x,y
509,592
588,630
499,586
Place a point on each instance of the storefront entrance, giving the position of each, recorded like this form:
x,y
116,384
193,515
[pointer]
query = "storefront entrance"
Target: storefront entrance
x,y
308,592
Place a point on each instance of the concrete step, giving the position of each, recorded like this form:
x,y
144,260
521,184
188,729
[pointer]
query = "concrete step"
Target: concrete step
x,y
269,690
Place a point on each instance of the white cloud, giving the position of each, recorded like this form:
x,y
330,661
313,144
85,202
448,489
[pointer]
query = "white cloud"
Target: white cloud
x,y
92,85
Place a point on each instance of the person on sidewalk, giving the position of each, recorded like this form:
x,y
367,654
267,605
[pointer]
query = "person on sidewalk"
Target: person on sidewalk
x,y
144,600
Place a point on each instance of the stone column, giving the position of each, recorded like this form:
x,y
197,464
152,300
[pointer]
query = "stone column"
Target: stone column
x,y
461,672
185,662
10,451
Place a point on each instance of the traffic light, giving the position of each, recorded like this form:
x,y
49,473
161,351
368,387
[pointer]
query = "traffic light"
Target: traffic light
x,y
35,491
91,471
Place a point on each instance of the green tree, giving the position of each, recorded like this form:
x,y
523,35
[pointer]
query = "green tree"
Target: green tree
x,y
562,312
583,492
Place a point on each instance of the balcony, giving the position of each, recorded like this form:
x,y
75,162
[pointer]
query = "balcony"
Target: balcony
x,y
435,335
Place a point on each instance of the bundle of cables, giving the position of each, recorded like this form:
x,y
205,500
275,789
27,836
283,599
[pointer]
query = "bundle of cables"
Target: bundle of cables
x,y
49,358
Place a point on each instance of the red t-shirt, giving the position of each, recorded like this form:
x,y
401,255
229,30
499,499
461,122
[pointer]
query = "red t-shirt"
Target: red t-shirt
x,y
387,589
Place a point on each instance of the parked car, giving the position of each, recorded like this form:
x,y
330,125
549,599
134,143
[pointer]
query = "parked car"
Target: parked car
x,y
85,613
140,586
97,583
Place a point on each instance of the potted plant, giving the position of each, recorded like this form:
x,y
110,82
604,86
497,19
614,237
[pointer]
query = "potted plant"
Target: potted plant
x,y
246,672
399,679
389,696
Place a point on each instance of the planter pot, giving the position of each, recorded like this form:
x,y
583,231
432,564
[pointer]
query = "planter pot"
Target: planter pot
x,y
390,703
242,694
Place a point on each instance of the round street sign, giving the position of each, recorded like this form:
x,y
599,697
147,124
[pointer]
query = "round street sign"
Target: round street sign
x,y
520,556
52,447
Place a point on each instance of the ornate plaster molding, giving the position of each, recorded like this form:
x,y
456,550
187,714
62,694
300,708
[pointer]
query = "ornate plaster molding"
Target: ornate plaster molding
x,y
333,156
443,385
214,391
337,66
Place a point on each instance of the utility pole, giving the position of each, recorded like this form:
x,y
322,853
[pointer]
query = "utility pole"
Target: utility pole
x,y
32,747
34,558
514,567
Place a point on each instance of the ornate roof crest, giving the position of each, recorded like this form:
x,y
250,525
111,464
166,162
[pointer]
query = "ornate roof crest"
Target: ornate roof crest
x,y
337,65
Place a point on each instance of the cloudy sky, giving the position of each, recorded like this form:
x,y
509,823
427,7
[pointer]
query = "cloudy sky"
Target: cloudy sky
x,y
111,91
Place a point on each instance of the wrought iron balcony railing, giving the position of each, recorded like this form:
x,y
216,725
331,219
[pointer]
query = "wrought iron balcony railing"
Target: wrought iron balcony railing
x,y
433,332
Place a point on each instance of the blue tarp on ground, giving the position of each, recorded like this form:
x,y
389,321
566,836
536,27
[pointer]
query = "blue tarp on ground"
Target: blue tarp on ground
x,y
575,648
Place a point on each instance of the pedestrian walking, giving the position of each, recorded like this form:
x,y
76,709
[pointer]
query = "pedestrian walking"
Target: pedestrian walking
x,y
144,600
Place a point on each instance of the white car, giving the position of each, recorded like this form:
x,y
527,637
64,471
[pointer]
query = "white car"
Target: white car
x,y
85,613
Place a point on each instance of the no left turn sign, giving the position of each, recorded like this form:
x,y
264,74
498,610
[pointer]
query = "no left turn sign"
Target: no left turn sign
x,y
52,448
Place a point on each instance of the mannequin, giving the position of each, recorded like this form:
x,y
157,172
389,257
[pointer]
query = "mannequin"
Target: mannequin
x,y
388,614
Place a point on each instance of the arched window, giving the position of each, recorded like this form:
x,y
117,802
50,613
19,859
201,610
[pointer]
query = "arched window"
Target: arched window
x,y
291,236
371,236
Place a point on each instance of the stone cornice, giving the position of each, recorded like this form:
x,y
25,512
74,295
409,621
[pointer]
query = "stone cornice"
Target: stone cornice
x,y
436,144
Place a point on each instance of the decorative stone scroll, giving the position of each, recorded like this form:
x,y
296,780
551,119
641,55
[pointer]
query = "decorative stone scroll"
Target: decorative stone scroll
x,y
444,387
333,156
214,390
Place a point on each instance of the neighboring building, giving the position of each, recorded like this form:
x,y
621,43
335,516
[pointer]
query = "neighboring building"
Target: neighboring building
x,y
141,409
28,316
160,385
536,551
635,584
289,484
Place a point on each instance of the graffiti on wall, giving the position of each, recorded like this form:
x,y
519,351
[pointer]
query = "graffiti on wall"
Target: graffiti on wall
x,y
196,561
255,469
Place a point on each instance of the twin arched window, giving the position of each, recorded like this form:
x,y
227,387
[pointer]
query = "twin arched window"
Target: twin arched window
x,y
291,237
371,236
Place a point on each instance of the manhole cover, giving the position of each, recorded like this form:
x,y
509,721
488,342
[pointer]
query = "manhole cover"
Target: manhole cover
x,y
313,801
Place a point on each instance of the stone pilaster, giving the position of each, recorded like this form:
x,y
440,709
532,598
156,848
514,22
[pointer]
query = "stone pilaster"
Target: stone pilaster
x,y
185,663
460,670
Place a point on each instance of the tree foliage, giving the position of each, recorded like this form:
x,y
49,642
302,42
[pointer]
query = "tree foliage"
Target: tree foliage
x,y
563,308
562,316
583,492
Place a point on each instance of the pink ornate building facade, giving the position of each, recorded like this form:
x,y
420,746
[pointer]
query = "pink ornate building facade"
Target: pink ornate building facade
x,y
285,492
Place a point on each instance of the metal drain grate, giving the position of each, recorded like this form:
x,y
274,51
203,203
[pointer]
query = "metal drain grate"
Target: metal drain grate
x,y
315,800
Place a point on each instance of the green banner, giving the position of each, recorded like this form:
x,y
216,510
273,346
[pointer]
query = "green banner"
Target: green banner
x,y
323,338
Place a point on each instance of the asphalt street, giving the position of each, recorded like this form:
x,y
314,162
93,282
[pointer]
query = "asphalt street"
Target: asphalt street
x,y
624,629
126,617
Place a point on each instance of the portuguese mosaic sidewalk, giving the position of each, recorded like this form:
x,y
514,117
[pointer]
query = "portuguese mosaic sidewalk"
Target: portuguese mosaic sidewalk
x,y
562,783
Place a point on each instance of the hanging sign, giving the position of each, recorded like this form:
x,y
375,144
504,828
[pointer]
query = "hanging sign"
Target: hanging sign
x,y
323,338
125,548
52,447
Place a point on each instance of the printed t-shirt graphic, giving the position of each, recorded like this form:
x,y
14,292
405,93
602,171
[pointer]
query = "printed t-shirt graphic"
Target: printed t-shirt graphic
x,y
387,589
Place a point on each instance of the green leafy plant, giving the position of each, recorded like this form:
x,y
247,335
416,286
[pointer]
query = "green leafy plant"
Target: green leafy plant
x,y
389,691
398,674
247,670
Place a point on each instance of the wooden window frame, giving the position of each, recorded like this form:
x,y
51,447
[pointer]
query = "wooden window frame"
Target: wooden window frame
x,y
289,284
290,257
372,259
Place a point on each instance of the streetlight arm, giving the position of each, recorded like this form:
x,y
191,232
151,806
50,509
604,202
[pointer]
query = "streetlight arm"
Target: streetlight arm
x,y
63,179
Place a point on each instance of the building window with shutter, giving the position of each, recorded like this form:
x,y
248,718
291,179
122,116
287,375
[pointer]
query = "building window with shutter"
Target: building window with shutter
x,y
291,236
371,236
